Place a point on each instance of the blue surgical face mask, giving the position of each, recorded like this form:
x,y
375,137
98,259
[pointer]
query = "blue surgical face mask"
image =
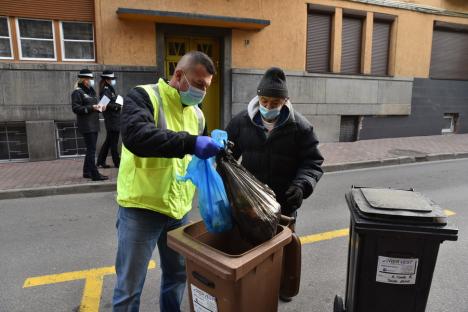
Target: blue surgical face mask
x,y
113,82
193,96
269,114
91,83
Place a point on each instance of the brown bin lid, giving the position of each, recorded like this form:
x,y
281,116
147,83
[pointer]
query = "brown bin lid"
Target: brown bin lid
x,y
186,241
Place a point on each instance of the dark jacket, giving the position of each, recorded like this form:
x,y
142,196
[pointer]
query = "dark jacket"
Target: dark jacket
x,y
287,156
112,112
87,118
140,134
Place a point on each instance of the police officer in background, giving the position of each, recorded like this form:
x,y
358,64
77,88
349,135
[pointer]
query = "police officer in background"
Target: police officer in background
x,y
85,106
111,120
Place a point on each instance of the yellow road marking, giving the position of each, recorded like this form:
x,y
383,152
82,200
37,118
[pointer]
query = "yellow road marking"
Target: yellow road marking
x,y
93,284
309,239
94,278
92,294
449,212
314,238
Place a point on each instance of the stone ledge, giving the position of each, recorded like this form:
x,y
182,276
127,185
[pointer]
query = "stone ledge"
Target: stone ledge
x,y
251,71
75,67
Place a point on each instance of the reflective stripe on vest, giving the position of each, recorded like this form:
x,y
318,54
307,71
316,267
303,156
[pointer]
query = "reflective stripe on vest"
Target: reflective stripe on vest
x,y
150,182
161,123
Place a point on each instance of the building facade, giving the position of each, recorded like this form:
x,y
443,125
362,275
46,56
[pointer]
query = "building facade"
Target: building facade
x,y
357,69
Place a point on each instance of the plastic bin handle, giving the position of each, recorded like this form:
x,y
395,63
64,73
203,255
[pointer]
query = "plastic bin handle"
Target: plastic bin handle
x,y
203,279
287,221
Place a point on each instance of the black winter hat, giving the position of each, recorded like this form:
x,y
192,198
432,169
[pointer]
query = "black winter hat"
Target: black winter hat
x,y
273,84
109,74
85,73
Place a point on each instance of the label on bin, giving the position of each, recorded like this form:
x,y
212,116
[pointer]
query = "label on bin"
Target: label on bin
x,y
203,301
400,271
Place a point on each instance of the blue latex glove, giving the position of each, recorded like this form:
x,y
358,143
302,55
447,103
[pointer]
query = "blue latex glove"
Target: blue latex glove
x,y
206,147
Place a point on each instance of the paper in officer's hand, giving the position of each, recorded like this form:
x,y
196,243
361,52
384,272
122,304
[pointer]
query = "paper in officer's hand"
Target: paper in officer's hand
x,y
103,103
119,100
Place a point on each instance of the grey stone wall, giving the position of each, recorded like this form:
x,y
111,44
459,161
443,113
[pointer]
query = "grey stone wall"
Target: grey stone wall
x,y
431,99
39,94
324,98
41,140
42,91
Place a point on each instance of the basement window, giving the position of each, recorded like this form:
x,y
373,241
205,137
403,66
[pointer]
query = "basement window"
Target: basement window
x,y
450,123
70,142
13,141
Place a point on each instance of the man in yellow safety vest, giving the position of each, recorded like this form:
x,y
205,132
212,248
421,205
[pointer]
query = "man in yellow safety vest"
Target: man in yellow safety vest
x,y
162,126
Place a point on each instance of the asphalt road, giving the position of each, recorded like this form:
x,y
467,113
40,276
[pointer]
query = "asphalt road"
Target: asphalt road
x,y
76,233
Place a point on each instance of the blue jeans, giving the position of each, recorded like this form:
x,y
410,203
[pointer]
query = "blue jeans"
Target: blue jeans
x,y
139,230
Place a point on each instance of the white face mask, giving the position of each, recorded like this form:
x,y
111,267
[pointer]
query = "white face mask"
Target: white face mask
x,y
113,82
91,83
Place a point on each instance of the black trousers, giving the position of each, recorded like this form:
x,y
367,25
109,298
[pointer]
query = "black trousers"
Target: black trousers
x,y
89,167
111,142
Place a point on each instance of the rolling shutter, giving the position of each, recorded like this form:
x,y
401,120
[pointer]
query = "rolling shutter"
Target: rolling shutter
x,y
318,42
449,58
380,48
78,10
351,45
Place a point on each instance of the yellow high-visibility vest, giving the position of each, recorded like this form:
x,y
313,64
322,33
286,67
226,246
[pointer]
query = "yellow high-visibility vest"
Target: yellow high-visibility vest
x,y
150,182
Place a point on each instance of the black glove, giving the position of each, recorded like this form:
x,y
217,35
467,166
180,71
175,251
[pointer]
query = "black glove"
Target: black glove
x,y
294,197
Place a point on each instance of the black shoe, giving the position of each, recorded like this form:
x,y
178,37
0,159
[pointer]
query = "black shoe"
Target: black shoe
x,y
86,176
285,299
100,177
102,166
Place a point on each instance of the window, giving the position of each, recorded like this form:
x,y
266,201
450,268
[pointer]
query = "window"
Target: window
x,y
77,41
449,51
69,140
5,39
450,123
349,127
351,45
36,39
380,47
318,41
13,141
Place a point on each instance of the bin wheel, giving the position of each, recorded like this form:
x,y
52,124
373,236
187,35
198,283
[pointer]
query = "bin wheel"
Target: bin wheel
x,y
338,305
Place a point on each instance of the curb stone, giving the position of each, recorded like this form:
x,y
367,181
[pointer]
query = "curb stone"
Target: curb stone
x,y
111,186
58,190
393,161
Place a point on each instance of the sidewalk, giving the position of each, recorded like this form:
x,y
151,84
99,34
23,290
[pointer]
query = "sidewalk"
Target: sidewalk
x,y
64,176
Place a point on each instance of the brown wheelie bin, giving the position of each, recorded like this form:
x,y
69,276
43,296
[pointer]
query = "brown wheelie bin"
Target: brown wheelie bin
x,y
226,273
291,271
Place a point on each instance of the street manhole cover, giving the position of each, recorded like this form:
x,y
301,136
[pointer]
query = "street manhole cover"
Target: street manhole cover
x,y
406,152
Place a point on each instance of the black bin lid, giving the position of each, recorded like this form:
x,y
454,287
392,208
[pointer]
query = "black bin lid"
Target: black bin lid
x,y
403,206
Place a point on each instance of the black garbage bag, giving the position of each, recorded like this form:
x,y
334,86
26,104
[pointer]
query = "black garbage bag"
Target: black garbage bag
x,y
254,206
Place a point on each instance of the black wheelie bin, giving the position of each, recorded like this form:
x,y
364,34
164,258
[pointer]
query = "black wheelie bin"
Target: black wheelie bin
x,y
393,244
